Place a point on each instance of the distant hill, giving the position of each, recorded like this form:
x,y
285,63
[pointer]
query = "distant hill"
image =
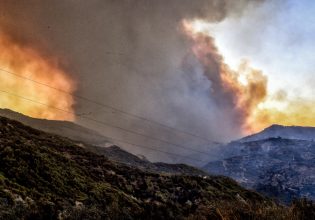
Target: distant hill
x,y
279,162
287,132
45,176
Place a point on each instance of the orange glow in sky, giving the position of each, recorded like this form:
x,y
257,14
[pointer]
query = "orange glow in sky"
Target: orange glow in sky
x,y
260,106
27,62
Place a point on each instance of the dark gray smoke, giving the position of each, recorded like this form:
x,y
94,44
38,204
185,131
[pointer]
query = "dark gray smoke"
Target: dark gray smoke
x,y
131,54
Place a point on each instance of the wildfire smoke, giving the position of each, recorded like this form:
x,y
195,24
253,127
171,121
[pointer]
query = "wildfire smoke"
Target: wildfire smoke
x,y
245,89
241,90
28,63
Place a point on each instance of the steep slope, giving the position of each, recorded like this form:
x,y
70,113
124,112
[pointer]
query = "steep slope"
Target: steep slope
x,y
96,143
64,128
115,153
279,167
44,176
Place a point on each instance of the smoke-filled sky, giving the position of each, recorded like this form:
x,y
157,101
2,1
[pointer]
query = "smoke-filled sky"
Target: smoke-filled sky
x,y
216,68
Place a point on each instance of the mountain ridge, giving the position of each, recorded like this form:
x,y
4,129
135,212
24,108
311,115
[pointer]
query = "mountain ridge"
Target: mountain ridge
x,y
63,128
289,132
46,176
96,143
274,162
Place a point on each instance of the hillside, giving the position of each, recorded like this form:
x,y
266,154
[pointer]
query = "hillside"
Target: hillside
x,y
93,141
44,176
280,167
287,132
64,128
116,154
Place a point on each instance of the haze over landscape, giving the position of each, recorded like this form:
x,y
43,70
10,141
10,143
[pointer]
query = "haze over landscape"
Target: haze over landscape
x,y
225,86
109,61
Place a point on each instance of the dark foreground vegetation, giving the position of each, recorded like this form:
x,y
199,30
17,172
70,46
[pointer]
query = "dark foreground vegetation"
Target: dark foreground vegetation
x,y
44,176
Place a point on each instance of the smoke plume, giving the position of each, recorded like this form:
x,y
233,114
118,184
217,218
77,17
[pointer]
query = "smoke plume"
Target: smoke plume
x,y
134,55
239,91
19,63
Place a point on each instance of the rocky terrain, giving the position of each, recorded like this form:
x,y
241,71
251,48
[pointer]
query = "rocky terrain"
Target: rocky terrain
x,y
286,132
44,176
272,162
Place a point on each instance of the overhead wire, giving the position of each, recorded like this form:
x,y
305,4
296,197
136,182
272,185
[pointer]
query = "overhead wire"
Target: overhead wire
x,y
113,108
102,123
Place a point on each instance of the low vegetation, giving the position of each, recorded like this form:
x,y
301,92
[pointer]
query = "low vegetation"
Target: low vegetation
x,y
44,176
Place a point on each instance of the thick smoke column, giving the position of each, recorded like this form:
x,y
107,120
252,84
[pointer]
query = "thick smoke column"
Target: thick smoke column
x,y
19,63
241,91
245,88
134,55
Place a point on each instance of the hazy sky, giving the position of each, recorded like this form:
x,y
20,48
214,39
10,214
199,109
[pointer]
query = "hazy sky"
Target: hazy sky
x,y
173,61
278,38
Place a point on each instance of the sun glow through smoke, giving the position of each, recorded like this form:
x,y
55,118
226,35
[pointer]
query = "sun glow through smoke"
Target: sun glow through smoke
x,y
258,105
28,63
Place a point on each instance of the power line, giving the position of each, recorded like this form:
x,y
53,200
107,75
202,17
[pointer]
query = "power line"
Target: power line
x,y
111,138
139,146
153,149
101,122
111,107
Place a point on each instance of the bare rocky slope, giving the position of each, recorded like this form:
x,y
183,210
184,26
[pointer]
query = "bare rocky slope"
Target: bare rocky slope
x,y
278,162
285,132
